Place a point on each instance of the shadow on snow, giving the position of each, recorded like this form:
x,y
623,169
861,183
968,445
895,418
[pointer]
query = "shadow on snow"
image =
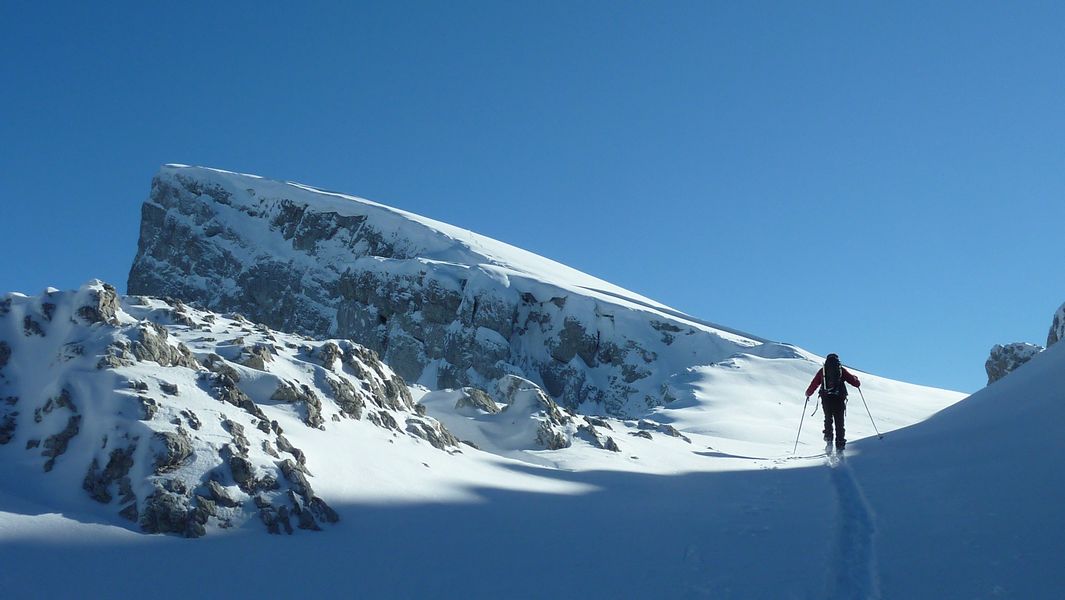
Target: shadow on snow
x,y
749,534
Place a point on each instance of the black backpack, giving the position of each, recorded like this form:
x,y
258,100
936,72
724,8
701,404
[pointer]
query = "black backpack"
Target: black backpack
x,y
832,384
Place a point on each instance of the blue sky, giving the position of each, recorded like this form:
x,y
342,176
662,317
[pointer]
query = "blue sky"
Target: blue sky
x,y
881,180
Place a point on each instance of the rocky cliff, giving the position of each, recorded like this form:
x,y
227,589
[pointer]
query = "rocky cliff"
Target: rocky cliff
x,y
180,420
444,307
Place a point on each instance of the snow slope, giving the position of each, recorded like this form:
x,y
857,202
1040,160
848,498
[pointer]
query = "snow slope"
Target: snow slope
x,y
700,500
964,505
969,503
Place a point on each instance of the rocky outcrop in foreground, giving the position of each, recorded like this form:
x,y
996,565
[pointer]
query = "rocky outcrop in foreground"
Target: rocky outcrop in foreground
x,y
443,307
180,420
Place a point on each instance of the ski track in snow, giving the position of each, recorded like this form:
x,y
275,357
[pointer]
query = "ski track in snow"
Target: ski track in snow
x,y
854,572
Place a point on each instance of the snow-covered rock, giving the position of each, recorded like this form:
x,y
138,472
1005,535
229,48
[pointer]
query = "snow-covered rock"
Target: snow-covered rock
x,y
444,307
175,418
1004,359
1057,327
528,419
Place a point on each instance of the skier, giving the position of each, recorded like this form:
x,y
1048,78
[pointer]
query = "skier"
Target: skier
x,y
833,396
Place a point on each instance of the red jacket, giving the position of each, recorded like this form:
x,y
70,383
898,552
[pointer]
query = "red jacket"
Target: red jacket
x,y
847,376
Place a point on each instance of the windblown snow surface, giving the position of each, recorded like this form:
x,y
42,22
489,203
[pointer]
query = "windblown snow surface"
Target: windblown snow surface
x,y
964,504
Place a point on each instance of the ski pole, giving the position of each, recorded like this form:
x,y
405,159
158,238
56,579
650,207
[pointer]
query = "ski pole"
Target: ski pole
x,y
800,425
879,435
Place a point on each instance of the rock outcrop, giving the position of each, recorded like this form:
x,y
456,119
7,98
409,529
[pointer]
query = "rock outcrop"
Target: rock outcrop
x,y
171,417
443,307
1057,327
475,400
525,418
1004,359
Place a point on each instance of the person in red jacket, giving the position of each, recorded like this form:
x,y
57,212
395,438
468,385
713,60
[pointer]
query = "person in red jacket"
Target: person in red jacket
x,y
832,379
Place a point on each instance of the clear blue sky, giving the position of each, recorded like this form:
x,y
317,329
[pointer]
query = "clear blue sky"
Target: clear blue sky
x,y
883,180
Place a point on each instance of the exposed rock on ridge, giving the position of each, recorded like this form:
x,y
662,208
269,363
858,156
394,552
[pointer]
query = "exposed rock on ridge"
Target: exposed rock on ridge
x,y
1005,359
442,306
1057,327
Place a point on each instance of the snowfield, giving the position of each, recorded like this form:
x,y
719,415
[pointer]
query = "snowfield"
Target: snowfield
x,y
703,499
963,505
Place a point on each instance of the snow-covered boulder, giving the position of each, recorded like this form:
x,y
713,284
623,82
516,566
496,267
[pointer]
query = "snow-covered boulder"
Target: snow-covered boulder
x,y
174,418
517,416
444,307
1004,359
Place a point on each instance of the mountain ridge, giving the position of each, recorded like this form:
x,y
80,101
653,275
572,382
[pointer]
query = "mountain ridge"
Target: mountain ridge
x,y
495,252
444,307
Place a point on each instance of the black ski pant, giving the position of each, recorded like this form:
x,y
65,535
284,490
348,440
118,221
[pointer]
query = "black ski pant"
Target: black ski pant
x,y
834,411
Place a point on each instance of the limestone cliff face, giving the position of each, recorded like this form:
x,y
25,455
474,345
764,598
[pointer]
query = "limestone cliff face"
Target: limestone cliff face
x,y
444,307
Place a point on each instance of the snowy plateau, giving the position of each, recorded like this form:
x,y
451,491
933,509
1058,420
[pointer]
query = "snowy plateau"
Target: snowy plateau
x,y
309,394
